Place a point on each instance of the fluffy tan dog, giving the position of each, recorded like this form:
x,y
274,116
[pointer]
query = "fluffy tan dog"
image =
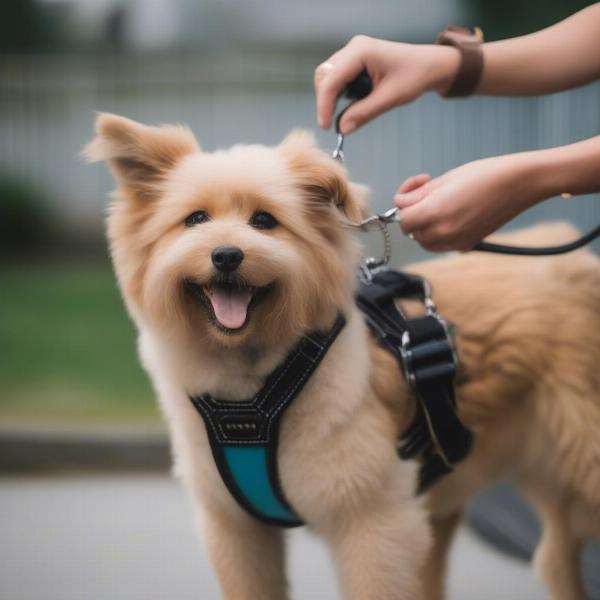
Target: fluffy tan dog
x,y
529,338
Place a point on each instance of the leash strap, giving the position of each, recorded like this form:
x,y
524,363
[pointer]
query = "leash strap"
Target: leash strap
x,y
424,350
244,436
540,251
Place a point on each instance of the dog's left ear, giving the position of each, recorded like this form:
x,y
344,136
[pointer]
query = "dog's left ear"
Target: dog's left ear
x,y
139,155
323,179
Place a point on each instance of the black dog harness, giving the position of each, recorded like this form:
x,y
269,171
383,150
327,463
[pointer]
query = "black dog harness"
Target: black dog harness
x,y
244,435
424,349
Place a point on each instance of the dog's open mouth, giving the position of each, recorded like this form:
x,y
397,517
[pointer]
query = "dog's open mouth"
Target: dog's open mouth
x,y
228,302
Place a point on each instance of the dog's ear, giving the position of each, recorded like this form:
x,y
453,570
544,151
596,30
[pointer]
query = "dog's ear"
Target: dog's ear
x,y
323,179
139,155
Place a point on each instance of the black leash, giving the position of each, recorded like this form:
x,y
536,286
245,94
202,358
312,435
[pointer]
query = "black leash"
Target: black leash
x,y
541,251
361,87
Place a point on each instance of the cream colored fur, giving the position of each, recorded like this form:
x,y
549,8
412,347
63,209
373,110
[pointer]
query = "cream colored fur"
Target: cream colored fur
x,y
529,338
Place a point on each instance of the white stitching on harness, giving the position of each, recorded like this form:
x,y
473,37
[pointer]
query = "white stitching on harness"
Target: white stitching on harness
x,y
249,406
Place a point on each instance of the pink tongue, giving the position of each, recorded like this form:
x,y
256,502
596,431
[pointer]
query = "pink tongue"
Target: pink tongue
x,y
231,307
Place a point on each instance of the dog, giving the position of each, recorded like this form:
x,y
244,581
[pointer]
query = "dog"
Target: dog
x,y
226,259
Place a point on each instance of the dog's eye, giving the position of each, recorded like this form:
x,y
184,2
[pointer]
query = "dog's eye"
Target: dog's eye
x,y
263,220
196,218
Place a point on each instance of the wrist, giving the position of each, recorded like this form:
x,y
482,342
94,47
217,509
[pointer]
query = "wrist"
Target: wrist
x,y
444,62
519,179
545,172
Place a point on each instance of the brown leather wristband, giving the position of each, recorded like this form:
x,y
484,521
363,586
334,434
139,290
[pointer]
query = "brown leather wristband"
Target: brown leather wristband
x,y
468,42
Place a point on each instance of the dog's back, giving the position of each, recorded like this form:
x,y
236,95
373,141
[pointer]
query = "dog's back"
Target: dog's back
x,y
529,341
529,336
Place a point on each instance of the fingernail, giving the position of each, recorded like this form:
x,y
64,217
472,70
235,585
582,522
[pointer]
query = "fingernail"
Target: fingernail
x,y
349,126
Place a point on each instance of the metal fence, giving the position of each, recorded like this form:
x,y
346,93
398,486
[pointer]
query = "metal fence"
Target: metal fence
x,y
47,106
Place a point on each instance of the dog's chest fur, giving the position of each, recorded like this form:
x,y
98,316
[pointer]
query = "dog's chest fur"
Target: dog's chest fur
x,y
337,439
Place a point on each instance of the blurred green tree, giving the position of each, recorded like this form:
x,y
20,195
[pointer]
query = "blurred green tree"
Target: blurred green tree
x,y
25,224
509,18
26,26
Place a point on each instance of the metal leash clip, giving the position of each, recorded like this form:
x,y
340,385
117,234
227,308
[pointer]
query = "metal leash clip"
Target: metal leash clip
x,y
338,152
356,90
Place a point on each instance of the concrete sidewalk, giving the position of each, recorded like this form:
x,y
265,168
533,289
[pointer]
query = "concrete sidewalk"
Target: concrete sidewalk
x,y
130,537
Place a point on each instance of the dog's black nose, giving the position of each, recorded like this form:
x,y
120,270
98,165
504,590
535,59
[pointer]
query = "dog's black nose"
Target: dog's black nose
x,y
227,258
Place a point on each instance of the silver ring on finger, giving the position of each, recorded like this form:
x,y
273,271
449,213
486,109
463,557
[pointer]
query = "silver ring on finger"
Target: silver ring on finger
x,y
326,66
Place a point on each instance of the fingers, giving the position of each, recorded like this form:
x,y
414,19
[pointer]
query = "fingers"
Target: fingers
x,y
425,229
412,183
380,100
331,79
410,198
322,70
415,218
332,76
428,239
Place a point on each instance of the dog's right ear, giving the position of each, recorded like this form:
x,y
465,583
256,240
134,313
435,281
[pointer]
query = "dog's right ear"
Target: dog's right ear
x,y
323,179
139,155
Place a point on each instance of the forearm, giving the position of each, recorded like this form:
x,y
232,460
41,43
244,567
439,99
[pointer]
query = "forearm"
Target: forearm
x,y
573,169
563,56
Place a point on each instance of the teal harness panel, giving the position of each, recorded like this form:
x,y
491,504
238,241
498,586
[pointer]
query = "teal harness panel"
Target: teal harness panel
x,y
248,466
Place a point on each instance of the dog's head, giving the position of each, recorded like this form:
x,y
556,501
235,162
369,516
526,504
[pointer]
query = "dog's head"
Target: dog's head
x,y
237,246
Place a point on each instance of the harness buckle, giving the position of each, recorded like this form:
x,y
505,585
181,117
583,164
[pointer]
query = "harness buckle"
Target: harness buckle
x,y
430,350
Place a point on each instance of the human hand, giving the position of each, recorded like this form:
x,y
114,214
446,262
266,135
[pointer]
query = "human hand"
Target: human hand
x,y
458,209
399,72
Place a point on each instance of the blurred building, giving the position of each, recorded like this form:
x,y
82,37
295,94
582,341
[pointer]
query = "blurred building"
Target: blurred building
x,y
240,71
155,24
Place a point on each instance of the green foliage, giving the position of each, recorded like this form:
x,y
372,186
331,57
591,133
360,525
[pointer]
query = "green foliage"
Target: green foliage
x,y
24,220
67,348
508,18
25,27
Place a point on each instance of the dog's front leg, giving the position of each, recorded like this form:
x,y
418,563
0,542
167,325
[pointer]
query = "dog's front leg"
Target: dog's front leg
x,y
248,556
381,551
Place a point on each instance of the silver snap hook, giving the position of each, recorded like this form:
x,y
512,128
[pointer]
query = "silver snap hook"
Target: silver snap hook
x,y
338,153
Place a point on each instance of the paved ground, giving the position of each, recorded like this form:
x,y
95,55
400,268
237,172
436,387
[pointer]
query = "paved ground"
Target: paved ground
x,y
129,537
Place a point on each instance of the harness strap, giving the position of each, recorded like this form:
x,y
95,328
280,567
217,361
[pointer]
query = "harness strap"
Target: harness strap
x,y
244,435
424,350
